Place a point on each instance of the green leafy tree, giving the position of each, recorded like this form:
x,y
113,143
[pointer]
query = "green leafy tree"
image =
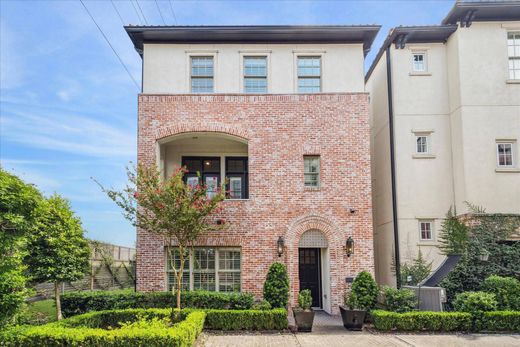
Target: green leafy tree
x,y
454,235
487,235
169,208
18,214
276,286
417,270
59,251
364,291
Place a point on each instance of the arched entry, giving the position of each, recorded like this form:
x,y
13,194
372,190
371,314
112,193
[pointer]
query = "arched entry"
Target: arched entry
x,y
314,268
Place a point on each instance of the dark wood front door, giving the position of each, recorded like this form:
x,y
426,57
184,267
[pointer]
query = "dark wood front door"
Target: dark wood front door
x,y
310,273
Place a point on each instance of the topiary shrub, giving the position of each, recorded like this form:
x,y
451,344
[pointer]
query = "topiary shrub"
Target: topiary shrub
x,y
276,286
506,291
399,300
305,299
475,302
363,294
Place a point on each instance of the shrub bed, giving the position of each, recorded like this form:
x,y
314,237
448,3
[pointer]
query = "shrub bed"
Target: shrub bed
x,y
275,319
108,328
422,321
74,303
503,321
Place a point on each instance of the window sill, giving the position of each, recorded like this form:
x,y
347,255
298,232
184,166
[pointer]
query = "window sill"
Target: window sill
x,y
420,74
507,169
510,81
427,243
236,200
311,189
424,156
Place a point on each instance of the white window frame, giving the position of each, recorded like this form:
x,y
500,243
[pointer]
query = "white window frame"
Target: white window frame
x,y
513,76
254,53
309,53
512,143
217,266
428,134
201,53
424,53
427,144
432,228
318,174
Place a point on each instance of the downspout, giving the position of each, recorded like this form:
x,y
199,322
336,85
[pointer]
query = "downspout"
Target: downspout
x,y
392,166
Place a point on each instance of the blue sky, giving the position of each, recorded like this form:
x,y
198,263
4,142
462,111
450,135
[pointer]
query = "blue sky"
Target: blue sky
x,y
68,108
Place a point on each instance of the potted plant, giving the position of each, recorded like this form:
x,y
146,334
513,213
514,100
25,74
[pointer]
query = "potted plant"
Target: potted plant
x,y
303,314
362,298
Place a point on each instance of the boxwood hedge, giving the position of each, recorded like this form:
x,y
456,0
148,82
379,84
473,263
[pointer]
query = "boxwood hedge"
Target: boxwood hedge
x,y
422,321
499,321
103,329
74,303
275,319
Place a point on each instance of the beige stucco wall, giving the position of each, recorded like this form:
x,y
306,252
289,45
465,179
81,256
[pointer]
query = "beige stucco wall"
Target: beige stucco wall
x,y
467,102
166,66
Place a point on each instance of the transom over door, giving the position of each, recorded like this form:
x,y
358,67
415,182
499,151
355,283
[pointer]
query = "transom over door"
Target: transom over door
x,y
310,273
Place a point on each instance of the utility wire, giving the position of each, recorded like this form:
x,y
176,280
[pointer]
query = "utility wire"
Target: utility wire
x,y
117,11
140,9
106,39
160,12
137,13
173,12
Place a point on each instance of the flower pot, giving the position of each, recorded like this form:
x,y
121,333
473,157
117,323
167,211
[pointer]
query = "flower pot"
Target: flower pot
x,y
303,319
352,319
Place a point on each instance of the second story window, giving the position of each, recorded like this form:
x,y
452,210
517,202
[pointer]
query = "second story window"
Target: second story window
x,y
513,50
505,154
426,230
255,74
311,171
421,144
309,74
202,74
237,178
419,62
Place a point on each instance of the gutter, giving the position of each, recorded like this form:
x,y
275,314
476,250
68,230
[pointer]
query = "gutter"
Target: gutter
x,y
392,167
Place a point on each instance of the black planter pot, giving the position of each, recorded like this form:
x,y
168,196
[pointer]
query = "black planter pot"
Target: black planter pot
x,y
352,319
304,319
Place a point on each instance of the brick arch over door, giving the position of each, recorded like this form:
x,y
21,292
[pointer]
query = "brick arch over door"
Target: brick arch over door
x,y
292,239
180,128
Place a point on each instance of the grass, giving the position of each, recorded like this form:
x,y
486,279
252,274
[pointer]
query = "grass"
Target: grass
x,y
42,311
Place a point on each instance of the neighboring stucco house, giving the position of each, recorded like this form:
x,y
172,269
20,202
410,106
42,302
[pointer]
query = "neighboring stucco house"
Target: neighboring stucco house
x,y
445,126
282,112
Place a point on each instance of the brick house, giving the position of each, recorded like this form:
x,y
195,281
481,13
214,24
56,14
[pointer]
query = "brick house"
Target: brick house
x,y
281,113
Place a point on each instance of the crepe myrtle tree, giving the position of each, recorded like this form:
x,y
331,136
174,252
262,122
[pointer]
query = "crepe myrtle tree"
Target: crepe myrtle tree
x,y
170,208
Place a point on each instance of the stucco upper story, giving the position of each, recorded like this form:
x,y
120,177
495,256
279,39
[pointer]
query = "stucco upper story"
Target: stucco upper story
x,y
168,54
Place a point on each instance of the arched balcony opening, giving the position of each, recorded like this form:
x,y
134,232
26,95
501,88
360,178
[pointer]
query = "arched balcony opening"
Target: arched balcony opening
x,y
211,158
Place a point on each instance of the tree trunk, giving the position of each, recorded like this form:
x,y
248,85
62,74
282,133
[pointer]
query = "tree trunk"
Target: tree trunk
x,y
57,300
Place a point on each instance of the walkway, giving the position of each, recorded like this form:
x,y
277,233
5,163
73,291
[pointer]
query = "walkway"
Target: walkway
x,y
328,331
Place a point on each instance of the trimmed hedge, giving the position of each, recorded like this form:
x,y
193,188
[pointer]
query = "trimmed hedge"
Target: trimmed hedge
x,y
275,319
504,321
422,321
74,303
92,329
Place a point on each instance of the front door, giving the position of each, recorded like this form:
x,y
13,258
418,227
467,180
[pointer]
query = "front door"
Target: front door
x,y
310,273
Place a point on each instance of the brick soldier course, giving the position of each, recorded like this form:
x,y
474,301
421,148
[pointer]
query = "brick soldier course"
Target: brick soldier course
x,y
279,130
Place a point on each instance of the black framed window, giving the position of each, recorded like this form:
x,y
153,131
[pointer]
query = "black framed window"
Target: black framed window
x,y
209,169
237,175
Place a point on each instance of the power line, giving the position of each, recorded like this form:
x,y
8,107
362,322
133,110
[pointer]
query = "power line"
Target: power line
x,y
137,13
160,12
173,12
106,39
140,9
117,11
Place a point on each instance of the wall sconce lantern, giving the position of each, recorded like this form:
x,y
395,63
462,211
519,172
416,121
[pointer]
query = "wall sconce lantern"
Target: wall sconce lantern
x,y
349,246
280,245
484,255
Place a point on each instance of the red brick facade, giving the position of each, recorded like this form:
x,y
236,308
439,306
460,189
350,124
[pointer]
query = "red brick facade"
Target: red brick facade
x,y
280,130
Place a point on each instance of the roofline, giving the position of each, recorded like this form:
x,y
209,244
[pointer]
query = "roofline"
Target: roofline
x,y
272,34
477,5
443,31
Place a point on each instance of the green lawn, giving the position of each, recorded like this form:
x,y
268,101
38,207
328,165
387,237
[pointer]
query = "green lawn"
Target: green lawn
x,y
41,311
